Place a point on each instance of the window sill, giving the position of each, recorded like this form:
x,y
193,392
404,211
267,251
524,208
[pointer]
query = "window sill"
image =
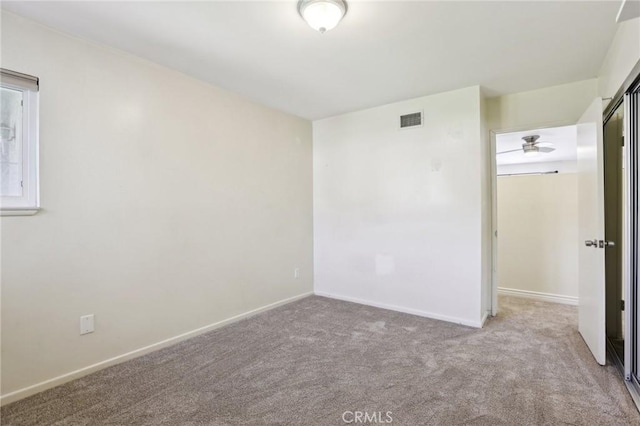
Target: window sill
x,y
24,211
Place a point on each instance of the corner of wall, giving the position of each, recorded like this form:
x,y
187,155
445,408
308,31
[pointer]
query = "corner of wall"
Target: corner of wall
x,y
486,209
622,57
549,106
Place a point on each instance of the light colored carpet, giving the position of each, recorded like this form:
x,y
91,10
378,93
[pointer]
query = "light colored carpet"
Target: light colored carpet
x,y
308,362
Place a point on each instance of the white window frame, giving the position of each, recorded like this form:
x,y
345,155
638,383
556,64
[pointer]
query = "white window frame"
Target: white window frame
x,y
29,203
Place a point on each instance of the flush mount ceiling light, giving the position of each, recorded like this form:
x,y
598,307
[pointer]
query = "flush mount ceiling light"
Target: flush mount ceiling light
x,y
322,15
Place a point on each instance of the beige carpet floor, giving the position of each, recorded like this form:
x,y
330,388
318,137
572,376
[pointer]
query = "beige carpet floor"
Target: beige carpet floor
x,y
308,362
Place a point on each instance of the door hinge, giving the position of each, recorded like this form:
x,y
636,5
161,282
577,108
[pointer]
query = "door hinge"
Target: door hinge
x,y
622,305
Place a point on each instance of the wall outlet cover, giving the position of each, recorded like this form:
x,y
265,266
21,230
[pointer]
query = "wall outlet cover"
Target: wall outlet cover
x,y
87,324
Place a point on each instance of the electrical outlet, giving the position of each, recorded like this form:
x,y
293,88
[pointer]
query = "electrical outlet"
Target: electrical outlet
x,y
86,324
296,273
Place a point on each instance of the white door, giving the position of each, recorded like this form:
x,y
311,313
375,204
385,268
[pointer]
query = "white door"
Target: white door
x,y
591,314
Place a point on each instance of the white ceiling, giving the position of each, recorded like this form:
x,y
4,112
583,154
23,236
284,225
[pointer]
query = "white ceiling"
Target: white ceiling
x,y
383,51
563,139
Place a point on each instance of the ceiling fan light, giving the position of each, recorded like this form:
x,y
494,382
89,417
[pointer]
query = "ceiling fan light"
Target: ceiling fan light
x,y
322,15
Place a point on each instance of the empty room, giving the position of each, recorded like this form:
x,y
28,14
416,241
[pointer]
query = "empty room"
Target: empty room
x,y
319,212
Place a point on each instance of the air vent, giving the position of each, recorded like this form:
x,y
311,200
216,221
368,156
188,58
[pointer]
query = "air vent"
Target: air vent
x,y
411,120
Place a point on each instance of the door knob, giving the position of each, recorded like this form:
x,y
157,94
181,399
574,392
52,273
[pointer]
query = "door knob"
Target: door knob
x,y
591,243
604,244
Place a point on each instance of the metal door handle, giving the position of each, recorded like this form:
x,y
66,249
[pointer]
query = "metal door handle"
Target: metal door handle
x,y
591,243
604,244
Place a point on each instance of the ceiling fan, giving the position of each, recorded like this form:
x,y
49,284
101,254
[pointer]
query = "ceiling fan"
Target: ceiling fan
x,y
532,147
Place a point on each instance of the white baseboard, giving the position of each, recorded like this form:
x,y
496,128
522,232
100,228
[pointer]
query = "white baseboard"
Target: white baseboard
x,y
56,381
475,324
545,297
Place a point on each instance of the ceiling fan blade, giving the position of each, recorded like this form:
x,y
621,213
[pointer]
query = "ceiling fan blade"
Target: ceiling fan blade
x,y
546,149
547,144
506,152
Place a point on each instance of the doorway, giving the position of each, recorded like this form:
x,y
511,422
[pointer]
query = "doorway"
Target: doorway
x,y
536,209
609,289
614,191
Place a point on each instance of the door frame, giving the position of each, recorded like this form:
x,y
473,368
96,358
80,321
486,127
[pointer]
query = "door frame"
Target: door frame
x,y
493,133
607,113
631,330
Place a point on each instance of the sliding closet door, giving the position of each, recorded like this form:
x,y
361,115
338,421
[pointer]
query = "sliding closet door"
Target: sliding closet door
x,y
632,253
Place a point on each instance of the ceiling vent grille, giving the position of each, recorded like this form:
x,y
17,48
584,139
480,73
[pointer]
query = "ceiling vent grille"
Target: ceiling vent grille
x,y
411,120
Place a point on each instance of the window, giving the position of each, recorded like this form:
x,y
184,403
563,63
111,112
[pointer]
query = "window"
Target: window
x,y
19,143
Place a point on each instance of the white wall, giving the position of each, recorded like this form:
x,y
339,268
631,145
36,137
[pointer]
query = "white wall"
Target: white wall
x,y
538,234
547,107
622,57
168,204
397,213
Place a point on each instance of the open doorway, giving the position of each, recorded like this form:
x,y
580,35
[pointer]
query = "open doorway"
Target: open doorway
x,y
606,214
536,214
613,138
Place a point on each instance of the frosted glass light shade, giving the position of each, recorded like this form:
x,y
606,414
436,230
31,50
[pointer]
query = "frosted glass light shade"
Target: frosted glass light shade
x,y
322,15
